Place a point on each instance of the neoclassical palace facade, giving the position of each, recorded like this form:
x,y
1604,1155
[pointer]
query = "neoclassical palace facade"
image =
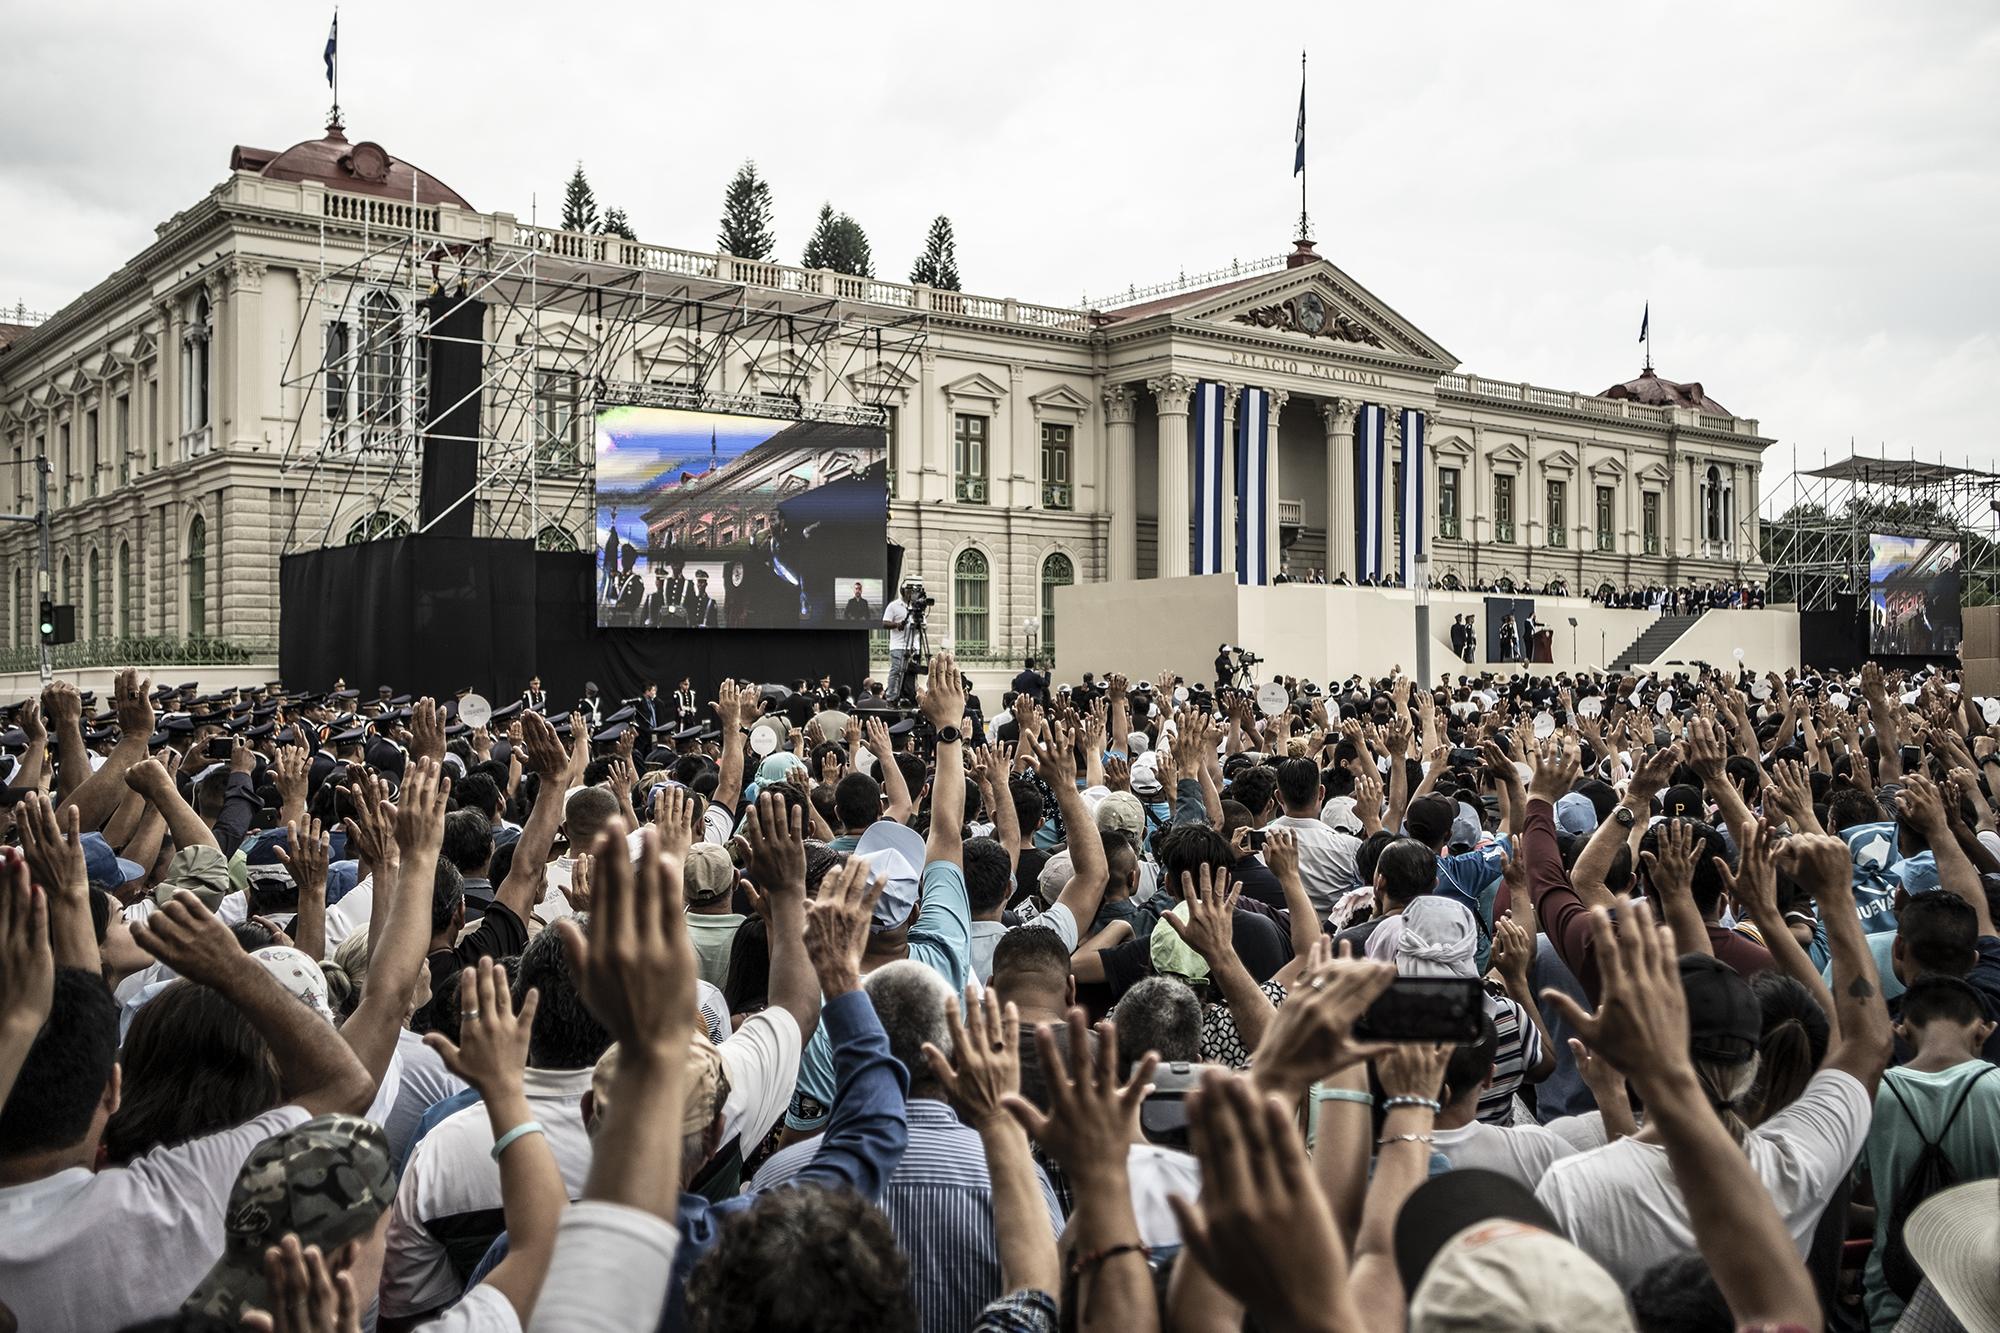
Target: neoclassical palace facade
x,y
179,401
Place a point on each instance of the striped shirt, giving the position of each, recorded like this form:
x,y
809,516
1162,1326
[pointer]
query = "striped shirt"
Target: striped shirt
x,y
1518,1051
939,1203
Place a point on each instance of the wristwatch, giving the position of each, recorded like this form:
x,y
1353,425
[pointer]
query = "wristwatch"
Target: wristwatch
x,y
948,736
1625,816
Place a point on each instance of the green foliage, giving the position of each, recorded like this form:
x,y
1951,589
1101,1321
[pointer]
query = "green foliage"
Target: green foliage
x,y
579,211
746,216
938,264
616,225
839,244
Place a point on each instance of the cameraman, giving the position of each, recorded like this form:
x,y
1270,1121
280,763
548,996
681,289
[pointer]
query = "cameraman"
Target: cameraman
x,y
902,633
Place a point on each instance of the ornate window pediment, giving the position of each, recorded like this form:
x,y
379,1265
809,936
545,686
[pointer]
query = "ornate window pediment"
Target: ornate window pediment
x,y
1451,446
881,383
975,386
1607,468
782,369
1060,403
1510,452
1562,460
1655,473
672,359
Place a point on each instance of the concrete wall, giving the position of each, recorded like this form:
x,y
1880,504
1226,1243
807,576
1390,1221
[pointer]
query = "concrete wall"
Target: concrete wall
x,y
1146,626
26,684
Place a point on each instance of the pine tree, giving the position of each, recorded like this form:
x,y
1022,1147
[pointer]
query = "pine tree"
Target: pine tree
x,y
616,225
819,245
579,211
746,216
938,264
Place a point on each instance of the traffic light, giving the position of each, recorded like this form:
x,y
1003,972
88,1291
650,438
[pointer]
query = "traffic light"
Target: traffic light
x,y
58,623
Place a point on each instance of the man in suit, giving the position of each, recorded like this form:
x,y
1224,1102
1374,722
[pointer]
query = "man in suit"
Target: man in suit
x,y
1458,637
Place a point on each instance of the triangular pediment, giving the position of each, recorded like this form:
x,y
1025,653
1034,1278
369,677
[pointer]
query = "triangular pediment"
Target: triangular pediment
x,y
1607,467
1509,452
1561,460
1655,472
976,385
144,347
81,382
1452,446
782,366
1318,305
1062,398
879,380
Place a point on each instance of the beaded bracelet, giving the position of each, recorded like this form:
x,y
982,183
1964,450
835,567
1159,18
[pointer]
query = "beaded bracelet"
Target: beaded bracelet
x,y
1343,1095
1388,1139
1391,1103
519,1131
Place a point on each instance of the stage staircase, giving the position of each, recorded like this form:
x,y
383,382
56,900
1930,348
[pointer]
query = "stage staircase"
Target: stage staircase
x,y
1659,636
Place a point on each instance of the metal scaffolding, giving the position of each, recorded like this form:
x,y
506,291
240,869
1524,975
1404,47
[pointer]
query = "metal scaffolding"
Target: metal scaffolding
x,y
567,328
1817,546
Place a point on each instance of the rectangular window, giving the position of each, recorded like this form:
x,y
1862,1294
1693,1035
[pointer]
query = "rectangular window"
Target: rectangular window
x,y
152,424
122,441
1558,520
63,459
1503,508
1447,502
555,436
90,453
1606,502
1396,506
968,445
1649,504
19,486
1056,493
334,377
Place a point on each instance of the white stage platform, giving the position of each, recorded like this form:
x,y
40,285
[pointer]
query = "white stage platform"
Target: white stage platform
x,y
1316,631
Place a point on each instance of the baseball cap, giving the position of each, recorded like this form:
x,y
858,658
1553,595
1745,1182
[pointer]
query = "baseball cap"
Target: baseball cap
x,y
1174,956
1576,815
1503,1274
1146,776
328,1180
1724,1018
710,872
1055,875
1339,813
897,851
299,974
1446,1205
707,1084
1121,812
105,868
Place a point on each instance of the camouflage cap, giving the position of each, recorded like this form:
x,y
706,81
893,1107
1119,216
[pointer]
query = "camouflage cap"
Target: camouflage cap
x,y
327,1180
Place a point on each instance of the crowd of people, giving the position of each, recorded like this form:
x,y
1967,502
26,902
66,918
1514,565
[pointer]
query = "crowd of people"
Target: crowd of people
x,y
1585,1002
1688,600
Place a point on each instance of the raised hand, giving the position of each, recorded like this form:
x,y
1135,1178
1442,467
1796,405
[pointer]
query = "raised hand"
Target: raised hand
x,y
54,848
1753,885
492,1049
636,969
290,772
1556,762
776,834
132,701
371,824
985,1061
541,749
1641,1021
188,938
1311,1036
942,697
305,853
1262,1229
27,962
577,891
420,814
427,731
1513,953
837,926
306,1295
1092,1117
1210,926
1671,867
1055,756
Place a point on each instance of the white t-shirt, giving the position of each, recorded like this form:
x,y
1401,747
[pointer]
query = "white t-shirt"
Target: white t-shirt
x,y
986,936
451,1174
1622,1207
610,1263
425,1083
483,1310
762,1061
1523,1152
1154,1173
1326,859
896,615
89,1251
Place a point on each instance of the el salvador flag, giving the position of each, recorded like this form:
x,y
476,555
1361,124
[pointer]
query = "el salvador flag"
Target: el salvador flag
x,y
332,47
1299,136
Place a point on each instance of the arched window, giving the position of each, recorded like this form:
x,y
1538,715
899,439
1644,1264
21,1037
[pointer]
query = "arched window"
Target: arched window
x,y
67,584
1712,497
197,577
195,367
14,613
553,538
90,567
969,603
1057,572
125,622
379,524
381,362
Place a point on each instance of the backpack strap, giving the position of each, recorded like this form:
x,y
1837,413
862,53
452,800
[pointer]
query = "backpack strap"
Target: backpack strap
x,y
1964,1094
1950,1119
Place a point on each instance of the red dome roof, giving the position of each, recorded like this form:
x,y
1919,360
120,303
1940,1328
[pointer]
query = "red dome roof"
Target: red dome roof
x,y
359,168
1650,388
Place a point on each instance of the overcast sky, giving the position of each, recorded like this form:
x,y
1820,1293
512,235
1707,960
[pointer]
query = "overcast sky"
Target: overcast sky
x,y
1806,192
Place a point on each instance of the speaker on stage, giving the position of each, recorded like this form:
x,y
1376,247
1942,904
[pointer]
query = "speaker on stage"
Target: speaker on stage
x,y
454,345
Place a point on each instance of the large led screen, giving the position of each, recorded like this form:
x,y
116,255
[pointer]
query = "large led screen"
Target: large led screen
x,y
710,521
1912,596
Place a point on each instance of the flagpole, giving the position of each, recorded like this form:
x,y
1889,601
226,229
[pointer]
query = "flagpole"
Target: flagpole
x,y
1305,232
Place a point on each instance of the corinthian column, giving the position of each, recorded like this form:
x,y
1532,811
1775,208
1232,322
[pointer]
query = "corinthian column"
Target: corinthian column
x,y
1121,481
1338,414
1170,395
1274,543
